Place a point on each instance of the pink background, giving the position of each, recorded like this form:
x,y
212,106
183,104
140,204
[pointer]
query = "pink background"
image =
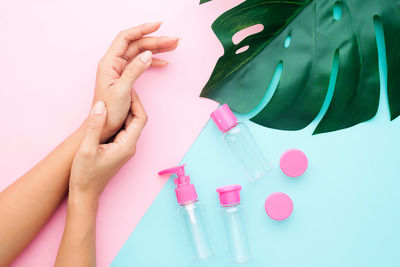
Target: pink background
x,y
49,52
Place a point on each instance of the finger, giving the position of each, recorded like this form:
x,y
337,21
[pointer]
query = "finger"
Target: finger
x,y
128,119
134,69
137,109
154,44
159,63
134,128
97,120
124,38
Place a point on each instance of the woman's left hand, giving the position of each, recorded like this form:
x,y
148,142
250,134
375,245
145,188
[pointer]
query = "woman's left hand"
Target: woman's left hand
x,y
127,58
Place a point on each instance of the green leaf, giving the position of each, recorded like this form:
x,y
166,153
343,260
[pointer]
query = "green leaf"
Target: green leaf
x,y
241,80
204,1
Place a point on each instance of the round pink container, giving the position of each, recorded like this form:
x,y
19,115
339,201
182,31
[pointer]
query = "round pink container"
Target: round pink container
x,y
293,162
278,206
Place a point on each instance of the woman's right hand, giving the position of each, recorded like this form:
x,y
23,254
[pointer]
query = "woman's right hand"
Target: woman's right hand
x,y
95,164
127,58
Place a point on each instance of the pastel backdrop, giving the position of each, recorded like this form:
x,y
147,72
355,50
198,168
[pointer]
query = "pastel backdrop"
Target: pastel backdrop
x,y
343,206
49,52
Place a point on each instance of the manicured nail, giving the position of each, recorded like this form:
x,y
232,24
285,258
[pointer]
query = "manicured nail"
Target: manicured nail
x,y
146,57
153,23
99,108
179,40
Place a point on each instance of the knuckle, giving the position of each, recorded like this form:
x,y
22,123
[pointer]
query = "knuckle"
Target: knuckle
x,y
102,66
100,63
139,62
94,127
145,118
132,70
131,151
122,34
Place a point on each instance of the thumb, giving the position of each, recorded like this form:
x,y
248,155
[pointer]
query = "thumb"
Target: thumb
x,y
97,120
136,68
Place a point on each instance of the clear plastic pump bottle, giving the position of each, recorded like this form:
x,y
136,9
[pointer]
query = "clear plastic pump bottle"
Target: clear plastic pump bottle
x,y
235,225
191,213
241,142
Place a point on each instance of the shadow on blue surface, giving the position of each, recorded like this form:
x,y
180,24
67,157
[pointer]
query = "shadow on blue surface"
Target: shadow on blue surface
x,y
345,206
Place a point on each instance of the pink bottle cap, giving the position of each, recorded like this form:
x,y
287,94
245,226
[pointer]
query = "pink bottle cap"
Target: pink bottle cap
x,y
224,118
229,194
293,162
278,206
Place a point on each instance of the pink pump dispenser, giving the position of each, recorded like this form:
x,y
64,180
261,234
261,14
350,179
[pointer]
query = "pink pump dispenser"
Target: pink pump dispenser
x,y
185,191
191,213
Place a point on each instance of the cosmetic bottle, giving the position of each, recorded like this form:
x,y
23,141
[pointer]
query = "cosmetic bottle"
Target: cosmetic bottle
x,y
234,219
191,213
241,142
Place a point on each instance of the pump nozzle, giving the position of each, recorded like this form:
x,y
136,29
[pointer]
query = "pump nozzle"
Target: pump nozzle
x,y
185,191
180,172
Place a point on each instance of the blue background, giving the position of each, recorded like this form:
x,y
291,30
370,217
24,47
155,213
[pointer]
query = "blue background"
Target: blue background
x,y
346,206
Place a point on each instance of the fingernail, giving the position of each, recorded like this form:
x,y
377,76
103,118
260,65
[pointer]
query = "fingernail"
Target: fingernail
x,y
99,108
179,40
146,57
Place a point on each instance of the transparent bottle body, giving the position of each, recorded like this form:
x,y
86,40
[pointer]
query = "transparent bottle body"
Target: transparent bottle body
x,y
192,217
243,145
236,233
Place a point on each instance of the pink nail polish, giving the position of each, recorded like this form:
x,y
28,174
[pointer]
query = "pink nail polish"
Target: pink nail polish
x,y
146,57
99,108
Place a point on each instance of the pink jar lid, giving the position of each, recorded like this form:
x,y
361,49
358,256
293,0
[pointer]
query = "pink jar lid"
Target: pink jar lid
x,y
278,206
229,194
293,162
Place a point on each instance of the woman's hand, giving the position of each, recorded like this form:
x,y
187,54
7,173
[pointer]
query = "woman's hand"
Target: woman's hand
x,y
128,57
95,164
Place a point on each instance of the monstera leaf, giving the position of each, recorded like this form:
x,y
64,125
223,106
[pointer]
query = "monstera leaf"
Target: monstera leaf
x,y
241,79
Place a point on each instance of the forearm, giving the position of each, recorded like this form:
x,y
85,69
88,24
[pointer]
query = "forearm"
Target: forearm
x,y
78,245
27,204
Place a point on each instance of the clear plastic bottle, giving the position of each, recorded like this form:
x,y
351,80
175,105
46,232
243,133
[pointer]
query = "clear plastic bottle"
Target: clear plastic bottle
x,y
241,142
191,214
234,219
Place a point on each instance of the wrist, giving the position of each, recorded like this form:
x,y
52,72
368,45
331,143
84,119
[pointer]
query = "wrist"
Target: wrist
x,y
82,203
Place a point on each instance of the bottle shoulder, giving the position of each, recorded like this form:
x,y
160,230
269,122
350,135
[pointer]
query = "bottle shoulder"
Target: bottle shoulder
x,y
232,208
190,205
238,128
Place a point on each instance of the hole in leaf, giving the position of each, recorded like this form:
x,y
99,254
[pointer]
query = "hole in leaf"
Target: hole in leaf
x,y
240,35
242,49
288,39
337,10
382,63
